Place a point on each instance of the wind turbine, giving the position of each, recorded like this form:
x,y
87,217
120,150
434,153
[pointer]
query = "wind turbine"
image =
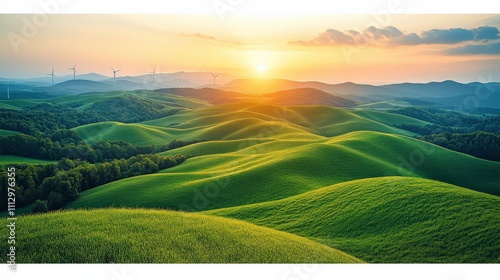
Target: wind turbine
x,y
52,74
114,75
74,71
8,89
215,76
154,74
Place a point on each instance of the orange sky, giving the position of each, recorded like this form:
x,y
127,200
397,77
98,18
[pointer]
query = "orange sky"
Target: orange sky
x,y
246,45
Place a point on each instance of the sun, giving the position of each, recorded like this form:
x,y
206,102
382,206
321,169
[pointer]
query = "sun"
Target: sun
x,y
261,68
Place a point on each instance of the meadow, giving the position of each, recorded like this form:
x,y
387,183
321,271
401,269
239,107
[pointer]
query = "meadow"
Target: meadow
x,y
269,184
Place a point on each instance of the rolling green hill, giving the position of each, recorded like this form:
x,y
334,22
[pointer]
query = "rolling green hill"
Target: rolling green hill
x,y
152,236
277,169
321,120
310,179
248,120
385,105
4,132
390,219
8,160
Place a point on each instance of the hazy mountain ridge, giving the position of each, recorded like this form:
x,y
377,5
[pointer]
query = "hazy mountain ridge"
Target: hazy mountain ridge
x,y
229,88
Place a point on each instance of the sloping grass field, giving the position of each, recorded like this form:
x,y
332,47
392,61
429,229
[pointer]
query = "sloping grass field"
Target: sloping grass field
x,y
303,181
278,169
6,160
390,219
154,236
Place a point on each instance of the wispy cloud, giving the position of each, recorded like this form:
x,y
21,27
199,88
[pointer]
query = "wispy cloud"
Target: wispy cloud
x,y
390,35
492,48
205,37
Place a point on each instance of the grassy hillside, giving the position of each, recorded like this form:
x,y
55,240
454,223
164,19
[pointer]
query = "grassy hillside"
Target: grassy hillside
x,y
152,236
385,105
249,120
273,170
4,132
8,106
321,120
391,219
137,134
8,160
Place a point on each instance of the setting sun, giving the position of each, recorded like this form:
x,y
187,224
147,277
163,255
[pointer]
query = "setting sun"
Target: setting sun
x,y
261,68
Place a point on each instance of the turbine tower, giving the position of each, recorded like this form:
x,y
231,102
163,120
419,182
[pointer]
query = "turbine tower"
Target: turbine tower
x,y
215,76
8,89
74,71
52,75
154,74
114,75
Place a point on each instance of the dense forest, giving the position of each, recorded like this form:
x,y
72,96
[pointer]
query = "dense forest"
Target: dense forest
x,y
450,121
81,166
53,185
71,146
47,118
478,136
479,144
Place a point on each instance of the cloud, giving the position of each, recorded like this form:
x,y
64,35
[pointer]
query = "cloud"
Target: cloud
x,y
390,35
206,37
492,48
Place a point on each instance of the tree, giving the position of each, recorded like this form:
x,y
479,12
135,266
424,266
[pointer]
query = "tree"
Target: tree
x,y
40,206
55,201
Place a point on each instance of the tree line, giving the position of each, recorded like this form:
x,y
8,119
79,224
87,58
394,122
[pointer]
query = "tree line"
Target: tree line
x,y
480,144
71,146
46,118
450,121
52,186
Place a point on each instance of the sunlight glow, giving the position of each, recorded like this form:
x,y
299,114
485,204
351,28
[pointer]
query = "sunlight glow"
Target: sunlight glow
x,y
261,68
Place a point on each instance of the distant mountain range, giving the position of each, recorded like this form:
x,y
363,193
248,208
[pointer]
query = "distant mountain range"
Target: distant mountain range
x,y
446,93
441,94
301,96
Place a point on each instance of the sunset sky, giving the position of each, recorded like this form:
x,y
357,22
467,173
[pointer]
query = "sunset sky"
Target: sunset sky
x,y
329,48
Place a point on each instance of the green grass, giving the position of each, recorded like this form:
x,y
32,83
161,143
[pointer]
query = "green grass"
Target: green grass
x,y
137,134
313,171
8,106
153,236
320,120
85,100
271,170
385,105
391,219
249,120
17,104
9,160
4,132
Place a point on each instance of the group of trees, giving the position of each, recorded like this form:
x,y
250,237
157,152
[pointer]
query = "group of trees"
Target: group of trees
x,y
131,109
450,121
52,186
47,134
73,147
479,144
478,136
47,118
